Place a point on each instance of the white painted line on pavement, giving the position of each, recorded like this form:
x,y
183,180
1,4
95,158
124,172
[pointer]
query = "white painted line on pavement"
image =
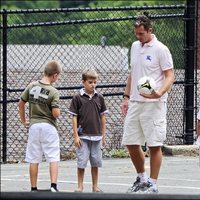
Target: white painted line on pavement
x,y
113,184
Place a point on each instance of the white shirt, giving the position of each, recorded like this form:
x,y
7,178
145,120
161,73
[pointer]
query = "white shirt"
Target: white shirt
x,y
198,115
151,60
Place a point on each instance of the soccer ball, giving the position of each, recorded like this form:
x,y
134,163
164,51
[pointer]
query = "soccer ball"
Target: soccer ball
x,y
146,85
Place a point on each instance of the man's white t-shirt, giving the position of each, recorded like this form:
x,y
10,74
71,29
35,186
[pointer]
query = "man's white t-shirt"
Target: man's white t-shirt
x,y
198,115
151,60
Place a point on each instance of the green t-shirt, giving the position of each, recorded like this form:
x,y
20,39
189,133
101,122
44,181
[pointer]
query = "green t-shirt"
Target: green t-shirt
x,y
42,98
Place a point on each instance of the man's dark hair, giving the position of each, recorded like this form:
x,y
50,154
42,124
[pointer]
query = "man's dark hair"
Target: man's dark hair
x,y
143,20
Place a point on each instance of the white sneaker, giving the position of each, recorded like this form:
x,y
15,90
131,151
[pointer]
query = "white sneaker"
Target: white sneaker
x,y
147,188
135,187
54,190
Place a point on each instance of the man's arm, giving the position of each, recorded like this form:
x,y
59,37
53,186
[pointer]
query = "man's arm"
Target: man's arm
x,y
169,80
126,95
128,86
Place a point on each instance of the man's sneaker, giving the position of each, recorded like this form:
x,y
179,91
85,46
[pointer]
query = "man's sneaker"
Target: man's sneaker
x,y
54,189
147,188
135,187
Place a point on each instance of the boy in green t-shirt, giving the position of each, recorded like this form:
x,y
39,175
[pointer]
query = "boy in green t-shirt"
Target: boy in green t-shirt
x,y
43,138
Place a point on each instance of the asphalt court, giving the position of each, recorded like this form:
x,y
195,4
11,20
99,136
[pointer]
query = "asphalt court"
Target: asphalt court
x,y
178,175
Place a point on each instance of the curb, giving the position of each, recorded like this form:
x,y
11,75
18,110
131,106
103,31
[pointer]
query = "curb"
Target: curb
x,y
186,150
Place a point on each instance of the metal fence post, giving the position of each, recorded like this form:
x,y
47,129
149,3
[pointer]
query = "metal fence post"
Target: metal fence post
x,y
4,86
189,72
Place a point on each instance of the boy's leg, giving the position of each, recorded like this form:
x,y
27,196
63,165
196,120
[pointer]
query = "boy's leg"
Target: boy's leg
x,y
96,162
80,175
94,172
33,171
51,149
53,169
82,153
33,154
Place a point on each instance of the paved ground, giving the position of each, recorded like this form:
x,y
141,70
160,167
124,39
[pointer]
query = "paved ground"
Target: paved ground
x,y
179,175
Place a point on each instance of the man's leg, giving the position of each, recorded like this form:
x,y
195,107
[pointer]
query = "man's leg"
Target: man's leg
x,y
138,160
155,161
137,157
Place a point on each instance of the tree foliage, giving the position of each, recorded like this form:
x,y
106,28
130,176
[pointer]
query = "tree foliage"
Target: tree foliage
x,y
118,33
42,4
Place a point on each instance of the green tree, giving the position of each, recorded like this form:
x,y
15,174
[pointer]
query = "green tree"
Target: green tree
x,y
74,4
113,33
42,4
31,4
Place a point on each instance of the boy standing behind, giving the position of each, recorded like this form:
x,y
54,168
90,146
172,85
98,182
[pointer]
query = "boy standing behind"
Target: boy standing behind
x,y
44,110
88,109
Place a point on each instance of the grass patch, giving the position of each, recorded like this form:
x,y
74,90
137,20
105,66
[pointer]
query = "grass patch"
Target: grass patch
x,y
115,153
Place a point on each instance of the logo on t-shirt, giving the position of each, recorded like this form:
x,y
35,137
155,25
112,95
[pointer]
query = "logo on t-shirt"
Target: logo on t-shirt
x,y
39,94
148,58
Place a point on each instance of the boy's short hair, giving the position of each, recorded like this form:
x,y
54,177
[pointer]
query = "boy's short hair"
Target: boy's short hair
x,y
52,67
143,20
89,73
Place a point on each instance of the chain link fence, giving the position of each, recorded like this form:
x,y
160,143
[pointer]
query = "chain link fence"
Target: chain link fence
x,y
79,38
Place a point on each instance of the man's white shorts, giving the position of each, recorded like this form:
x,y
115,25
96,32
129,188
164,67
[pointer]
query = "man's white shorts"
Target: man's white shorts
x,y
44,140
145,122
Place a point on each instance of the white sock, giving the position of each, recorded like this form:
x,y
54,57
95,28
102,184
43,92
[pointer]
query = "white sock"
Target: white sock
x,y
153,182
143,176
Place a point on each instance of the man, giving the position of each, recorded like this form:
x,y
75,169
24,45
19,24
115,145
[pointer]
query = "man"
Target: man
x,y
145,114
